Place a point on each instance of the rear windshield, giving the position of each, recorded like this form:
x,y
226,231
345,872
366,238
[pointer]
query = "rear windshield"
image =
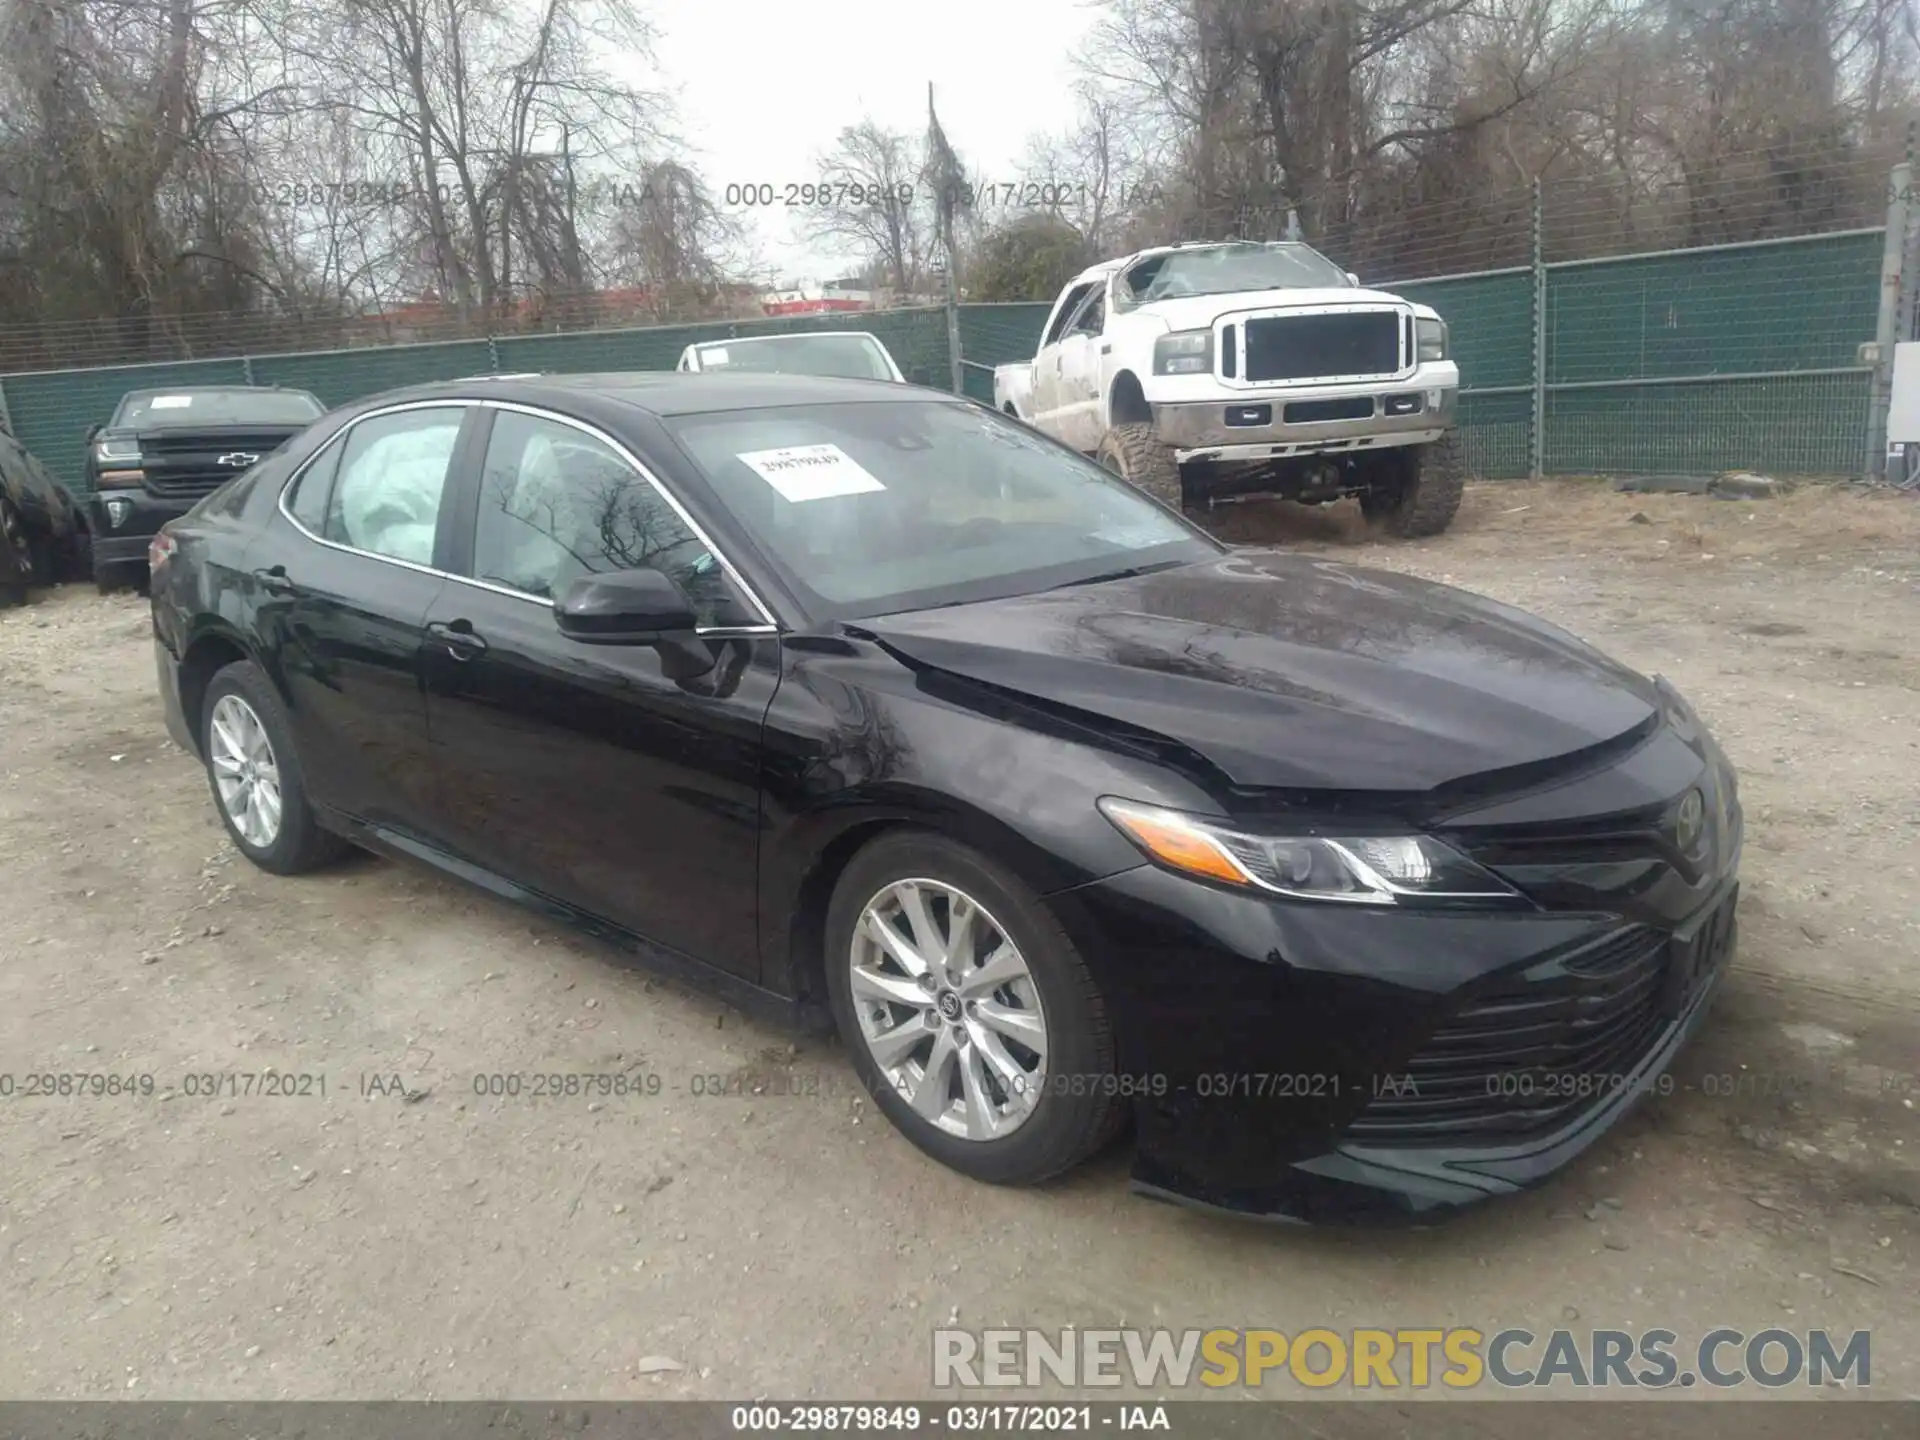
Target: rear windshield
x,y
161,409
853,357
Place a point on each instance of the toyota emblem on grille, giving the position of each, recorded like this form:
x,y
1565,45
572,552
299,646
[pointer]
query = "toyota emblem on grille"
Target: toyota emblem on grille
x,y
1689,821
239,459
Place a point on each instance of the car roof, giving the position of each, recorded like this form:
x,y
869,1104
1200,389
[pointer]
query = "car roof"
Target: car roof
x,y
785,335
668,392
219,389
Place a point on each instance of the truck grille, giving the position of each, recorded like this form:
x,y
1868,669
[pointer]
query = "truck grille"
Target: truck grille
x,y
1522,1058
189,466
1311,347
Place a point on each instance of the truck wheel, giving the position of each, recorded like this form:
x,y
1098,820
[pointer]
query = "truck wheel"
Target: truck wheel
x,y
1136,455
1423,498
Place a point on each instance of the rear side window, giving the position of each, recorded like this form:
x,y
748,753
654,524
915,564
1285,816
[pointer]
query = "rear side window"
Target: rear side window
x,y
308,502
392,473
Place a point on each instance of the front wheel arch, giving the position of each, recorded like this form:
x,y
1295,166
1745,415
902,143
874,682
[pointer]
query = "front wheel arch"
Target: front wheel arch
x,y
835,839
1127,402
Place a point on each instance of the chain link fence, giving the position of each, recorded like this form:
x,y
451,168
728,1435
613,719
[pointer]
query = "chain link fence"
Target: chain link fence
x,y
1584,351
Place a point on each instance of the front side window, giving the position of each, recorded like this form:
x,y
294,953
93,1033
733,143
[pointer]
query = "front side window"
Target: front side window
x,y
557,503
1091,318
873,508
393,472
1075,298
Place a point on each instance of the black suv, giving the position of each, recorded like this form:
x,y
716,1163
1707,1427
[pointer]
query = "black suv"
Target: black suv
x,y
165,449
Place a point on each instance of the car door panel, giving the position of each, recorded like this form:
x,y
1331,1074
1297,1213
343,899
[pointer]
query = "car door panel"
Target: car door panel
x,y
1048,394
585,772
344,633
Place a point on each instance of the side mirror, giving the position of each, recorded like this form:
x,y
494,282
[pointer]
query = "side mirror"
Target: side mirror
x,y
93,432
624,607
637,607
1353,280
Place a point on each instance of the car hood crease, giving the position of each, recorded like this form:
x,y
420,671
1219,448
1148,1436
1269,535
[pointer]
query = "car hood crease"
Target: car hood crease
x,y
1287,671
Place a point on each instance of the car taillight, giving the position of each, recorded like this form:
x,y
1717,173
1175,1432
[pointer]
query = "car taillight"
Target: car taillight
x,y
159,550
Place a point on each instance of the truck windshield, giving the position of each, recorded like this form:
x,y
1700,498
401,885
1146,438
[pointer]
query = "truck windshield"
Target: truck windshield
x,y
1224,269
164,409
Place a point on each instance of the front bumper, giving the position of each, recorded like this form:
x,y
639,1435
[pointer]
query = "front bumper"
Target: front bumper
x,y
1264,1040
123,521
1205,423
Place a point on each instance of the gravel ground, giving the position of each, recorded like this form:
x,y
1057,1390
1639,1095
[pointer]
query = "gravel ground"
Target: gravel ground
x,y
408,1238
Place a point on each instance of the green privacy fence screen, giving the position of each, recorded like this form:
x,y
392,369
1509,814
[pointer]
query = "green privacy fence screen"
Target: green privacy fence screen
x,y
1682,361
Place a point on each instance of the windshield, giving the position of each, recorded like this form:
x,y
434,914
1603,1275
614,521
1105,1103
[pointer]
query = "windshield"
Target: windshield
x,y
161,409
1223,269
877,508
852,357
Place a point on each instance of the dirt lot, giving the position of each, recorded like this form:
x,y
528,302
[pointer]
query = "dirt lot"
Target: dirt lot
x,y
426,1242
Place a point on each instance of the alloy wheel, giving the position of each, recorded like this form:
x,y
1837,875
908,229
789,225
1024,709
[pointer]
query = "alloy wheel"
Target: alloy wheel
x,y
948,1009
245,771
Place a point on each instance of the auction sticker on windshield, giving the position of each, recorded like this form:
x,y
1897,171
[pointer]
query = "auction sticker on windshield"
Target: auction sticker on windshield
x,y
715,356
811,472
170,402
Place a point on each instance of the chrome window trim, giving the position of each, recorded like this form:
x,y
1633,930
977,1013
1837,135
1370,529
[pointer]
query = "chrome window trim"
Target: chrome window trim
x,y
769,627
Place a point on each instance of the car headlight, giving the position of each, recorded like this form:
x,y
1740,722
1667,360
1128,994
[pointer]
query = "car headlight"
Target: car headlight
x,y
1367,869
1184,352
110,452
1431,337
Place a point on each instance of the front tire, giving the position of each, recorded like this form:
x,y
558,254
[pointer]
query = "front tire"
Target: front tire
x,y
1423,499
970,1017
1138,456
255,775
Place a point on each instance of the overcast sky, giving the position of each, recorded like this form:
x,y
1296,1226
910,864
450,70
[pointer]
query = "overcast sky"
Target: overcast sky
x,y
764,89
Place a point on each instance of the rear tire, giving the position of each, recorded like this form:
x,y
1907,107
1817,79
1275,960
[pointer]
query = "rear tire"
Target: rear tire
x,y
1423,499
1073,1103
1137,455
256,735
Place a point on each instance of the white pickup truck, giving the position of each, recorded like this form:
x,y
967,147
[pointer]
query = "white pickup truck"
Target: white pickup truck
x,y
1210,370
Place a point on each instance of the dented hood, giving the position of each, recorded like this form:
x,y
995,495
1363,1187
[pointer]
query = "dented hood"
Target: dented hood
x,y
1290,671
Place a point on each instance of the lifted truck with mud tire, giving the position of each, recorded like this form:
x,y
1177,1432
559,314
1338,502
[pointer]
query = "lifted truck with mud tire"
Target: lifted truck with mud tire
x,y
1206,371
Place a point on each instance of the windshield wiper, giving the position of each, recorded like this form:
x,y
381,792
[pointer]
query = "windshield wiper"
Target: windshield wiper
x,y
1130,573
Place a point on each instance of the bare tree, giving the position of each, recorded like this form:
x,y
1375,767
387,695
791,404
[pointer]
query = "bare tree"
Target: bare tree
x,y
878,204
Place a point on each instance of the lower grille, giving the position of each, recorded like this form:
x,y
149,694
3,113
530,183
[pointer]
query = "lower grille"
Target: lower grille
x,y
1310,347
177,484
1308,412
1523,1058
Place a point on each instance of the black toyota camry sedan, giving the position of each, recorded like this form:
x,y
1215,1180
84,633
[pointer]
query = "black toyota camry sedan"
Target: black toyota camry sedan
x,y
1354,894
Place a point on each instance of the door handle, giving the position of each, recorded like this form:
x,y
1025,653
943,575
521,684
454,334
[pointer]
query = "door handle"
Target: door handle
x,y
274,581
458,637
